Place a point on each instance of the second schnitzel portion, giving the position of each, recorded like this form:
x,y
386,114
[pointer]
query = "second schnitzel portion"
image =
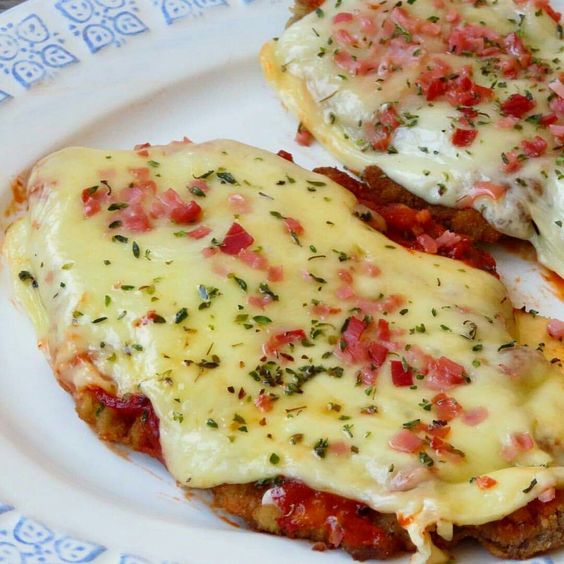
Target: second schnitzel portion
x,y
461,103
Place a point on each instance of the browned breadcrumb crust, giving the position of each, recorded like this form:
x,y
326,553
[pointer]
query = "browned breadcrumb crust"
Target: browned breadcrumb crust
x,y
107,422
114,425
245,501
379,189
531,530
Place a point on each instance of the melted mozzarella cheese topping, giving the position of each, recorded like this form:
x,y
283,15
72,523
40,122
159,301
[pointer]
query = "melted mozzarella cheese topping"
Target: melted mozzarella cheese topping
x,y
143,305
343,68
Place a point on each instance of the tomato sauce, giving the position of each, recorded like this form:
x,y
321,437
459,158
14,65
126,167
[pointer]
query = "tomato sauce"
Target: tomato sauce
x,y
132,407
405,225
346,522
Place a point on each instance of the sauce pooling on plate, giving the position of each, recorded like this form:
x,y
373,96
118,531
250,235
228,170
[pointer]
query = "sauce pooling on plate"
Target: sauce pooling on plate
x,y
461,103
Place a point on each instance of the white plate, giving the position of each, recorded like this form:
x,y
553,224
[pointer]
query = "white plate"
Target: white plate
x,y
113,73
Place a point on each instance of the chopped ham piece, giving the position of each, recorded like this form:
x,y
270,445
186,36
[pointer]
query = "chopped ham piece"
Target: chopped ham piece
x,y
428,244
405,480
275,273
135,219
464,137
253,259
445,407
236,239
260,301
406,441
264,402
444,374
303,136
534,147
547,495
517,105
401,375
199,232
239,204
555,328
293,226
342,17
475,416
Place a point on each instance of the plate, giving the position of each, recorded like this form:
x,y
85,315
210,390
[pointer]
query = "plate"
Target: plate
x,y
113,73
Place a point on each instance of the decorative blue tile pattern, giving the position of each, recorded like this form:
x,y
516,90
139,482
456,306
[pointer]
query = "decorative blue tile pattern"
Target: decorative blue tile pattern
x,y
31,542
29,52
33,47
173,10
26,541
130,559
102,23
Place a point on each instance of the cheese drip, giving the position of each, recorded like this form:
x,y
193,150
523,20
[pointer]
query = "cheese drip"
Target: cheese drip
x,y
154,312
316,68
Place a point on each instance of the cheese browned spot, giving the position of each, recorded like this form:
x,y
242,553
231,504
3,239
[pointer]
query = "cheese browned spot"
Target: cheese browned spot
x,y
273,332
461,103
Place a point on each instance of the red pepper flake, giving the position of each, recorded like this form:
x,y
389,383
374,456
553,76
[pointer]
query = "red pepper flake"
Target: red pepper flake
x,y
485,482
264,402
350,340
170,204
150,317
281,339
458,89
293,226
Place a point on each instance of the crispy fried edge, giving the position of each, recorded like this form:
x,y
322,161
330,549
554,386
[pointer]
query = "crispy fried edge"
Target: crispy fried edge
x,y
531,530
379,189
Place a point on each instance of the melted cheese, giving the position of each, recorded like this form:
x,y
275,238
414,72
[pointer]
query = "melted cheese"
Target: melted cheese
x,y
93,290
336,105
